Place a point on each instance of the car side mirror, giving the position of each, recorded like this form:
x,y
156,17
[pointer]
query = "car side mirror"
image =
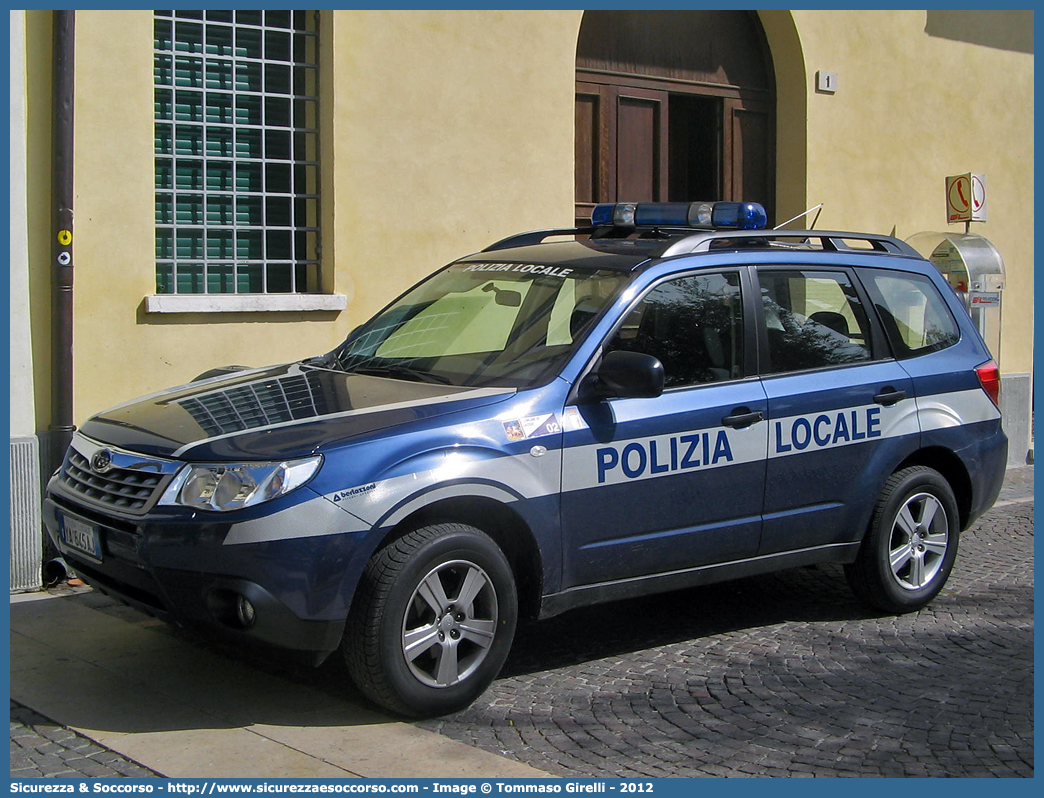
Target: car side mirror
x,y
627,375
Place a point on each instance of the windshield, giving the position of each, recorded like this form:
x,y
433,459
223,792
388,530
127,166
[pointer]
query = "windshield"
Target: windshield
x,y
483,324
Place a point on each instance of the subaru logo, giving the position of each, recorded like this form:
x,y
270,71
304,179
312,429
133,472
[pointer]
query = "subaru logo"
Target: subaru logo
x,y
101,461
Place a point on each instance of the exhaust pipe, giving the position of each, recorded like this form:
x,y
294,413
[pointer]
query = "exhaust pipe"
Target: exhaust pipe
x,y
55,571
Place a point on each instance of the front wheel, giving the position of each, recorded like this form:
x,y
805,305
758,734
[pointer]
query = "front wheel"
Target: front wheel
x,y
911,545
432,621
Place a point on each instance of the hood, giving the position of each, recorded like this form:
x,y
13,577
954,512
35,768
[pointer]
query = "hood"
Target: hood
x,y
275,413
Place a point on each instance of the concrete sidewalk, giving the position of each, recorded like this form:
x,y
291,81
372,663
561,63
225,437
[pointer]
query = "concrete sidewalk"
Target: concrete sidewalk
x,y
1017,487
183,711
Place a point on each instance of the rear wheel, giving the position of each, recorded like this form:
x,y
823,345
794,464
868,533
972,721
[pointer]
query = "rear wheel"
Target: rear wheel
x,y
432,620
910,547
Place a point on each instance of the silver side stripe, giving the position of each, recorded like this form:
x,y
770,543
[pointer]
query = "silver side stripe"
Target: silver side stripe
x,y
388,501
955,409
315,518
836,428
459,474
618,462
598,464
505,479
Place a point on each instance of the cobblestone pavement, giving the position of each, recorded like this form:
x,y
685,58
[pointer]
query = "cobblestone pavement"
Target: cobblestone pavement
x,y
1018,485
39,747
779,675
784,675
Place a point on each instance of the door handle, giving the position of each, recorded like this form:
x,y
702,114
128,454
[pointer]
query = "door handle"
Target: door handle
x,y
889,396
742,417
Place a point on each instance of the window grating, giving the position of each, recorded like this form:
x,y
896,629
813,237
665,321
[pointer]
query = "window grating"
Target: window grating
x,y
237,169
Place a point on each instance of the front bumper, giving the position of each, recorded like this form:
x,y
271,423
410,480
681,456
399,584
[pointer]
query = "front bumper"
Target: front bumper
x,y
182,573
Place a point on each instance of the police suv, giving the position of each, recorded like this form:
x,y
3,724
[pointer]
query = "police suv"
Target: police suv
x,y
670,397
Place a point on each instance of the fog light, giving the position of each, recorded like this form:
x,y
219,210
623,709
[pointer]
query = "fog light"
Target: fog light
x,y
245,613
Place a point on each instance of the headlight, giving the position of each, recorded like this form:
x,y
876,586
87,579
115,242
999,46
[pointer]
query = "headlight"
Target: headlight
x,y
233,486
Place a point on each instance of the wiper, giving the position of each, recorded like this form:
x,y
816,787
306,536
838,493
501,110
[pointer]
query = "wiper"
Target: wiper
x,y
327,361
393,371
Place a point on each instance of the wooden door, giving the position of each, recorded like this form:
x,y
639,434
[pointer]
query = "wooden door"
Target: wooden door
x,y
750,154
621,145
673,106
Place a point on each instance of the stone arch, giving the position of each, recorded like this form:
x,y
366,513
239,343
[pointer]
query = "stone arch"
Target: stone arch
x,y
682,105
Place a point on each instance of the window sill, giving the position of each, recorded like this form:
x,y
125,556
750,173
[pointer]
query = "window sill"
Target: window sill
x,y
245,303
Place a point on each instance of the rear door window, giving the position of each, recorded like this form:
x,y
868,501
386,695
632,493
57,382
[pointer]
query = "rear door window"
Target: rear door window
x,y
813,319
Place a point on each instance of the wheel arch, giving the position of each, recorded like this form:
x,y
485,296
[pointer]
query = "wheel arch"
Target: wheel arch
x,y
498,520
953,470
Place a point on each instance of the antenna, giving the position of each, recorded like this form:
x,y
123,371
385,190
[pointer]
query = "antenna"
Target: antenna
x,y
818,209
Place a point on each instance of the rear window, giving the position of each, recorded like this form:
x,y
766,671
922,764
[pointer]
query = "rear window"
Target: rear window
x,y
913,313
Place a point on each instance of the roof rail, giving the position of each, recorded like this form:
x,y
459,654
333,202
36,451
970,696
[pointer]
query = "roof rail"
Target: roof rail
x,y
833,241
535,237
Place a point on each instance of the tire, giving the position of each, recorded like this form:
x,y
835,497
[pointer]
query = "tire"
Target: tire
x,y
432,621
911,544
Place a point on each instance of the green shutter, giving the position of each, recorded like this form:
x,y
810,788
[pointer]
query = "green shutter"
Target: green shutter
x,y
236,138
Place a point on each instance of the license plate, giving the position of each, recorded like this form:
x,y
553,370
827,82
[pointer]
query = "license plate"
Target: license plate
x,y
80,536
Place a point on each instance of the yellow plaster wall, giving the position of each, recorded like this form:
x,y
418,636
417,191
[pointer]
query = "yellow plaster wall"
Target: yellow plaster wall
x,y
784,43
445,130
114,236
453,129
911,109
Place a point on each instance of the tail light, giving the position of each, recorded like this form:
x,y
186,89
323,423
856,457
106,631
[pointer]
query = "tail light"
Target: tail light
x,y
989,379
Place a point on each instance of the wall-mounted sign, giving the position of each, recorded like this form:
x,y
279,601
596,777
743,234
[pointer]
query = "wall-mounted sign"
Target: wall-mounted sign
x,y
982,299
966,198
826,82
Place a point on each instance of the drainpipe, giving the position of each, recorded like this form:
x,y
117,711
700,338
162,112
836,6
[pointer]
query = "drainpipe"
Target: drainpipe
x,y
62,427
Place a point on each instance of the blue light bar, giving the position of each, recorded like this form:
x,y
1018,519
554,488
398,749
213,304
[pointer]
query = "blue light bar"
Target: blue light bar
x,y
619,214
662,213
739,215
709,215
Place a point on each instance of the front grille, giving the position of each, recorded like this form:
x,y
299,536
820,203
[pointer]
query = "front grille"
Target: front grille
x,y
70,503
122,488
131,484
